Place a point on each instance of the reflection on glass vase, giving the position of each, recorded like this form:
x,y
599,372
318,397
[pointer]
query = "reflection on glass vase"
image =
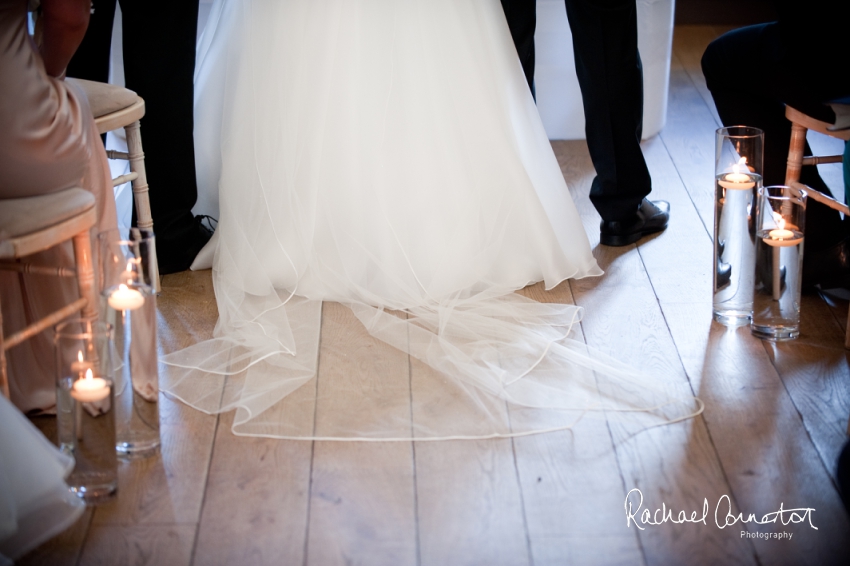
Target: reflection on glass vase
x,y
779,262
126,263
86,406
737,178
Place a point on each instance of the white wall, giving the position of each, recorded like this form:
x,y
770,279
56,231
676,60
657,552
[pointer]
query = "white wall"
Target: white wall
x,y
558,94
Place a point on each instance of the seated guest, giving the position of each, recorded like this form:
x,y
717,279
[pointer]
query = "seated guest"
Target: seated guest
x,y
48,142
799,60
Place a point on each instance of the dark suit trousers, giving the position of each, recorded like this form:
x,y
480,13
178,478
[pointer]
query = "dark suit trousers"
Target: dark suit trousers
x,y
522,20
611,81
773,81
159,63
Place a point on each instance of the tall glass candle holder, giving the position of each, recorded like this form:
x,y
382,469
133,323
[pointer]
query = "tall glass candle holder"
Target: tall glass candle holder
x,y
127,269
780,233
86,406
737,177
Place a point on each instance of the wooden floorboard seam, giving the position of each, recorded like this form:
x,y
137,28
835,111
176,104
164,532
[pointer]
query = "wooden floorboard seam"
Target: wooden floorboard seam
x,y
82,548
413,458
623,487
313,444
206,485
206,482
724,473
708,231
801,415
521,501
841,326
687,192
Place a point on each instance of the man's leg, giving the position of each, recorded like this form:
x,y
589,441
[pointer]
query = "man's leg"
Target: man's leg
x,y
611,80
522,19
160,66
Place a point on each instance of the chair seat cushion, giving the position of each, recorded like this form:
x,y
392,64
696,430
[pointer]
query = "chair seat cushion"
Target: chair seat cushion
x,y
22,216
105,98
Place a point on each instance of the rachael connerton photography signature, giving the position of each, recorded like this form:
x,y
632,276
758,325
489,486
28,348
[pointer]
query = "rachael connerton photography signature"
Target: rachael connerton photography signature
x,y
723,515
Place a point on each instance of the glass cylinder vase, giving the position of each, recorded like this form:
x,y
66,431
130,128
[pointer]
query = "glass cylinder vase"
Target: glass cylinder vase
x,y
86,406
127,266
737,177
780,234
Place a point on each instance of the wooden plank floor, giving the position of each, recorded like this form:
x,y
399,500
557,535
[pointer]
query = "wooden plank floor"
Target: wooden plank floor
x,y
774,423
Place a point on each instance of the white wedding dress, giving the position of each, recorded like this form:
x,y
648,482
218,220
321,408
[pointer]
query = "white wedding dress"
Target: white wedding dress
x,y
387,155
35,503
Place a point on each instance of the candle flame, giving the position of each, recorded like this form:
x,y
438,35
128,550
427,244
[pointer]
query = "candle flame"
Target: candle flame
x,y
740,166
131,271
80,356
122,287
89,374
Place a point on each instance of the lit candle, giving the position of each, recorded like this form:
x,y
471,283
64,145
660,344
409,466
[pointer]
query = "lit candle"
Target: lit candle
x,y
90,389
781,234
781,237
778,238
125,299
80,366
737,180
130,274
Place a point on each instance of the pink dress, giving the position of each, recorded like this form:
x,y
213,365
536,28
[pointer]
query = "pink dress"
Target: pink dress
x,y
48,142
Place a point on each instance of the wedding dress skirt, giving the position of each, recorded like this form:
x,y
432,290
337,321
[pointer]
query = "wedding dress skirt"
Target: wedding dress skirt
x,y
387,155
35,503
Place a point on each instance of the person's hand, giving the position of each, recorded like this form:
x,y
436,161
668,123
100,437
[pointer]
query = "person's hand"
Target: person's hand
x,y
64,24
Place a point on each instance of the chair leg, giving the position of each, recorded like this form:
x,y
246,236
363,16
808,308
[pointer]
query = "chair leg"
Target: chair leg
x,y
795,153
85,274
4,379
140,184
144,219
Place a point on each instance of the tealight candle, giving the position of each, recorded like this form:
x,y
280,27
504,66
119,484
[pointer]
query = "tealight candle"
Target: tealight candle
x,y
125,299
90,389
130,274
736,180
80,366
779,238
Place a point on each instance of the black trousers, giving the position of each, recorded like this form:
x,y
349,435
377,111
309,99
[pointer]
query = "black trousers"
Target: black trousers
x,y
159,63
776,81
611,80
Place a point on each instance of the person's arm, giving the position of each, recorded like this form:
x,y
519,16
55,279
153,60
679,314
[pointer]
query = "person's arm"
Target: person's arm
x,y
64,24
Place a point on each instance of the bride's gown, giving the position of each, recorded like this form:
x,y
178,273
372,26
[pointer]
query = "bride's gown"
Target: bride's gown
x,y
387,155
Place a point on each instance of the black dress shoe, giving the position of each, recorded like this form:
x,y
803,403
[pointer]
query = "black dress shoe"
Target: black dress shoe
x,y
650,217
724,270
175,255
829,268
724,275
